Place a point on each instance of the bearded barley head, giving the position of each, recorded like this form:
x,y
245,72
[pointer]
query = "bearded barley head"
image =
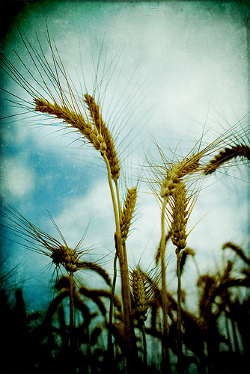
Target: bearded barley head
x,y
37,240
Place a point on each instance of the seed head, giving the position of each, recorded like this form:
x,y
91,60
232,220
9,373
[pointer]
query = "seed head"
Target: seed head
x,y
34,238
140,293
179,216
75,120
177,172
67,257
128,211
226,155
106,144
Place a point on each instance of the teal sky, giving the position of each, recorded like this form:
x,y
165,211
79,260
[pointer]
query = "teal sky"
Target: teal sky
x,y
167,71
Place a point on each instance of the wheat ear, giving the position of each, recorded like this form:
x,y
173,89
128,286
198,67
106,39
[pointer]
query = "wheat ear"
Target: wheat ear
x,y
177,172
67,257
179,217
75,120
140,293
41,242
141,299
237,250
106,141
127,212
226,155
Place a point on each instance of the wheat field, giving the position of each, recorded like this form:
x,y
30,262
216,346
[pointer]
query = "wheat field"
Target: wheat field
x,y
124,188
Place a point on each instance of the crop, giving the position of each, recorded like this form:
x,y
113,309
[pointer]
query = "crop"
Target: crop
x,y
72,338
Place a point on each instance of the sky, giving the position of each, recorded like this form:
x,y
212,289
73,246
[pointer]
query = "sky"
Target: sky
x,y
167,72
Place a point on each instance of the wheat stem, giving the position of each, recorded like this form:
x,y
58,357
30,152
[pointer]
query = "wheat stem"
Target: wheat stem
x,y
179,335
116,214
118,198
71,307
144,343
110,348
112,296
165,348
123,269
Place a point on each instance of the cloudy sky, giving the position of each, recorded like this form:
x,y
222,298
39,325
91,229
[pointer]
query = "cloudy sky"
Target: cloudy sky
x,y
166,71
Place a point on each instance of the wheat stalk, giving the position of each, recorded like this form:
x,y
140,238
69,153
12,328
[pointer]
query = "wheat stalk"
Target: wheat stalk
x,y
158,252
173,192
164,295
97,134
109,155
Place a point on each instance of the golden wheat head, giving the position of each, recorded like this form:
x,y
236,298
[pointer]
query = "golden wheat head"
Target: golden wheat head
x,y
106,142
226,155
127,213
140,293
179,217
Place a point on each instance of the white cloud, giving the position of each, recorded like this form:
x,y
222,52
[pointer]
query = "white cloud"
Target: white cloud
x,y
18,178
92,210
